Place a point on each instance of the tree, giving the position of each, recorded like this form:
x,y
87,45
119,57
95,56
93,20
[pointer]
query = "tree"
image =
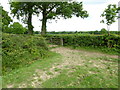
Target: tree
x,y
0,19
6,19
110,15
36,32
103,31
53,10
96,32
24,10
17,28
49,10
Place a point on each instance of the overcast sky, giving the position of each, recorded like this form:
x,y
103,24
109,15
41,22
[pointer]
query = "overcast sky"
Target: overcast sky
x,y
94,7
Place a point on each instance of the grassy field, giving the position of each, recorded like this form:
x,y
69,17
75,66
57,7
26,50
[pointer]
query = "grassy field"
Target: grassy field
x,y
67,68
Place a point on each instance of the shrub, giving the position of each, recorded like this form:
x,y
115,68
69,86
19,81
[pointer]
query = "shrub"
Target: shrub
x,y
112,41
17,28
19,50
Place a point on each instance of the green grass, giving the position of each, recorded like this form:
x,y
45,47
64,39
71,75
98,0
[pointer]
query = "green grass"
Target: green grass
x,y
103,75
57,69
21,75
104,50
49,73
82,78
0,82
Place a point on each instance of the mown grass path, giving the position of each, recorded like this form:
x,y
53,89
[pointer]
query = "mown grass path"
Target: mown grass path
x,y
76,69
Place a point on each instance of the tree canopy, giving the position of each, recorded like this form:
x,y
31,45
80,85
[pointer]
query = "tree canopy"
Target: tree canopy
x,y
6,19
23,11
17,28
49,10
103,31
110,14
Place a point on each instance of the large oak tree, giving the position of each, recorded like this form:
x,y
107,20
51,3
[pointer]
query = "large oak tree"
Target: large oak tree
x,y
25,10
54,10
49,10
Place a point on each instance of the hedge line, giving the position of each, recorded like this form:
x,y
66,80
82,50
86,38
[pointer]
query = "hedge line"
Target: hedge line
x,y
19,50
112,41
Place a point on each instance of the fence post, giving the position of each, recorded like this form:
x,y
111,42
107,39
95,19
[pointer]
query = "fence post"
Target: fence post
x,y
61,41
50,40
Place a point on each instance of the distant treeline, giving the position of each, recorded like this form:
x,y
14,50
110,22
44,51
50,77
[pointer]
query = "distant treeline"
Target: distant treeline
x,y
81,32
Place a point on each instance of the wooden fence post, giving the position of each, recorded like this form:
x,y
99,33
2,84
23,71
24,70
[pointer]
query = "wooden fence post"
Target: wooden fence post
x,y
50,40
61,41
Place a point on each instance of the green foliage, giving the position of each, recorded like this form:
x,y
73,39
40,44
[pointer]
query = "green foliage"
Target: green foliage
x,y
17,28
103,31
21,50
112,41
24,10
36,32
53,10
110,14
6,19
65,10
49,10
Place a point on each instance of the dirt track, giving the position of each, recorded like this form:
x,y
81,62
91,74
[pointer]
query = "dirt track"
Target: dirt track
x,y
70,59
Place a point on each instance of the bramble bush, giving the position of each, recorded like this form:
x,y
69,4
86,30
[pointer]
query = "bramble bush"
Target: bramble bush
x,y
21,50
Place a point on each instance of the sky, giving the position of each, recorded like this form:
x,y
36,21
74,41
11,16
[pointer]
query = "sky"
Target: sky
x,y
94,7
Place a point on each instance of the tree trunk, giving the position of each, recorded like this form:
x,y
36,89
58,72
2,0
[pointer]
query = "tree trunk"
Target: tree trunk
x,y
44,21
30,27
108,28
29,22
108,43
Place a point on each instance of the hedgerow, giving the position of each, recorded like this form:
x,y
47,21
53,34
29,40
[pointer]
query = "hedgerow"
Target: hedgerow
x,y
112,41
19,50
